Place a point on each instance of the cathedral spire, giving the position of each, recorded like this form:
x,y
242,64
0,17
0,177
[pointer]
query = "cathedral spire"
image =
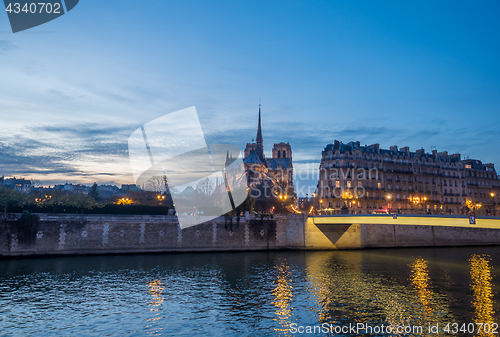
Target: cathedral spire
x,y
259,139
259,148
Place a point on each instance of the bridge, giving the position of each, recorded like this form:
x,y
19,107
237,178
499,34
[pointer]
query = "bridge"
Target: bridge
x,y
372,231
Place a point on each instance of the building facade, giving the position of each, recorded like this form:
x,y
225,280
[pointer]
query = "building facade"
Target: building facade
x,y
271,176
18,184
367,179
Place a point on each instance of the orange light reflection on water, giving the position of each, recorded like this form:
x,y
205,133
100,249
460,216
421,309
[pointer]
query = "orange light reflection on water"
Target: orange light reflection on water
x,y
282,298
421,282
156,291
482,294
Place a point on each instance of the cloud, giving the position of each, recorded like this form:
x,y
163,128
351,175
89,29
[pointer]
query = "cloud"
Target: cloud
x,y
6,46
73,151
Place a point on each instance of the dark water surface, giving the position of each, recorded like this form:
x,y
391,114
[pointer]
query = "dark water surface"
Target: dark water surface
x,y
259,293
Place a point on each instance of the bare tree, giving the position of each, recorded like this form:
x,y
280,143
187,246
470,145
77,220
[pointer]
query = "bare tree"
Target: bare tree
x,y
205,192
205,188
157,184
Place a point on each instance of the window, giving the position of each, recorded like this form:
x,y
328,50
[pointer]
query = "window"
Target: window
x,y
284,154
279,154
337,184
349,184
379,185
360,184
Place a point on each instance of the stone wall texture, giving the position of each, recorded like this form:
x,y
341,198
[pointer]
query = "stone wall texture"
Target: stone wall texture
x,y
63,234
100,234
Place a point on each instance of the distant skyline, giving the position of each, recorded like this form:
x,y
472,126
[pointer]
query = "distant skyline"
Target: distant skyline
x,y
415,74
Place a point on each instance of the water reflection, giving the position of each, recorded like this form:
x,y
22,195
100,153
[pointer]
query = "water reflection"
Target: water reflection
x,y
482,294
156,291
420,281
282,298
246,294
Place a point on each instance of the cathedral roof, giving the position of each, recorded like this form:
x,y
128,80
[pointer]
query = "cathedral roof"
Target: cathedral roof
x,y
275,162
252,158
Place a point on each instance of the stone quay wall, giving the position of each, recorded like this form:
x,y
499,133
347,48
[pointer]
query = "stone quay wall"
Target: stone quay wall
x,y
104,234
61,234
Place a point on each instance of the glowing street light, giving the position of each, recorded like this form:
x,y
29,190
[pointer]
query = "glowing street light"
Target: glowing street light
x,y
494,203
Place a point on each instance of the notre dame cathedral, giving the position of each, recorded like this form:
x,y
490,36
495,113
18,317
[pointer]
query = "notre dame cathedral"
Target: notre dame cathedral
x,y
269,177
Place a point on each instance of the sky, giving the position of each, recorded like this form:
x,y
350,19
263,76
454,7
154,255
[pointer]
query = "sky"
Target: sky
x,y
418,74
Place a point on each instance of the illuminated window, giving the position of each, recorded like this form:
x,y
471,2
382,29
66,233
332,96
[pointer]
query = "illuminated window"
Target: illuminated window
x,y
337,184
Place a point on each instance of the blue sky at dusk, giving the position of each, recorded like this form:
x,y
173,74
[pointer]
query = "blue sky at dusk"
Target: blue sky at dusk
x,y
416,74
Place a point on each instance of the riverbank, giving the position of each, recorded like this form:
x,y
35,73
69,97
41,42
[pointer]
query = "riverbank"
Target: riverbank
x,y
64,234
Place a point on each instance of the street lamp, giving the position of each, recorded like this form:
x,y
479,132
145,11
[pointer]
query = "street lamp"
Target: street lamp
x,y
494,204
389,203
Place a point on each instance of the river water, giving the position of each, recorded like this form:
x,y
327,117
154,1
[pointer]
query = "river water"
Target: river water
x,y
253,293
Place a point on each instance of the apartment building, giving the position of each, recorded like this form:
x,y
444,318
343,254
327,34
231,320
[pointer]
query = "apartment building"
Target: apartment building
x,y
367,179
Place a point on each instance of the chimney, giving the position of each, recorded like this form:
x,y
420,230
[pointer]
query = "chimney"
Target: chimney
x,y
421,152
376,147
434,154
336,145
394,148
443,154
406,150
